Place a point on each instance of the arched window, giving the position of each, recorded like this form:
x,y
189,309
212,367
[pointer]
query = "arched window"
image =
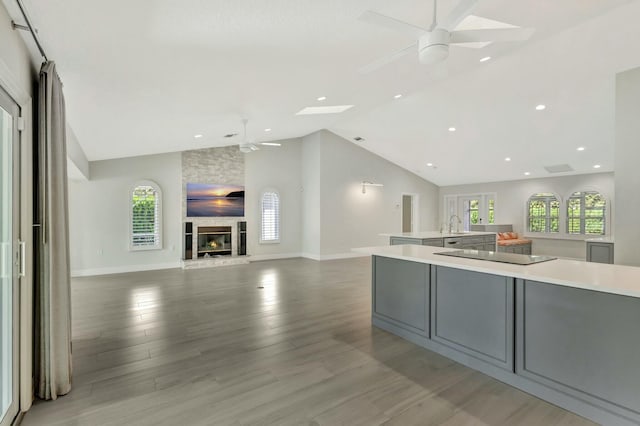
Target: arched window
x,y
586,213
543,213
270,207
146,216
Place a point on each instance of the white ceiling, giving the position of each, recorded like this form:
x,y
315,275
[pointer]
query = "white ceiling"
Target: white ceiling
x,y
143,77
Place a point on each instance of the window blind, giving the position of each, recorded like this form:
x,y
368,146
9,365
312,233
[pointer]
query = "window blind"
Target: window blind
x,y
270,217
145,221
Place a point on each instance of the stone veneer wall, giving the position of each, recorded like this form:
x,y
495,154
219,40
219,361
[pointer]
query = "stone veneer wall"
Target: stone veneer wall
x,y
223,165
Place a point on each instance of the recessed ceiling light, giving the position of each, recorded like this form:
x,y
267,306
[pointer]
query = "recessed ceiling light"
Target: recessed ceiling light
x,y
580,148
452,129
540,107
198,136
597,166
271,143
398,96
324,110
322,98
507,159
527,173
485,59
429,164
267,129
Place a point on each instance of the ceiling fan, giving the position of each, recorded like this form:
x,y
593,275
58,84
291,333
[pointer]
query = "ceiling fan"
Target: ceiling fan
x,y
247,146
432,44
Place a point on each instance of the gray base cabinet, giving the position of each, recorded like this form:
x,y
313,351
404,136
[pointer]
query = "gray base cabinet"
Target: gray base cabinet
x,y
575,348
599,252
401,293
517,249
468,242
473,313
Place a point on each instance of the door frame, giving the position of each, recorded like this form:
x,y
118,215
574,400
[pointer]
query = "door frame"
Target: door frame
x,y
14,265
13,86
415,211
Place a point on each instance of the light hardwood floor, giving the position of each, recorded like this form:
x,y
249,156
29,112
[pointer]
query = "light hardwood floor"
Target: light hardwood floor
x,y
208,347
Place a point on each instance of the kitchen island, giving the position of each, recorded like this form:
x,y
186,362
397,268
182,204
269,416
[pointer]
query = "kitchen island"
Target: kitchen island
x,y
565,331
463,240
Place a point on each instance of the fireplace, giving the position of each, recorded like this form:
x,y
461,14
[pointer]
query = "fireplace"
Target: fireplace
x,y
214,241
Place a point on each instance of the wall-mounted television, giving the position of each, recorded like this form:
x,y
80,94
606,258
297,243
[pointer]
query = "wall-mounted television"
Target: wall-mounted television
x,y
214,200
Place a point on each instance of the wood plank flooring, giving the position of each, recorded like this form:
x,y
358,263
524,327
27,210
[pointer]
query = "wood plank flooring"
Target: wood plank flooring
x,y
208,347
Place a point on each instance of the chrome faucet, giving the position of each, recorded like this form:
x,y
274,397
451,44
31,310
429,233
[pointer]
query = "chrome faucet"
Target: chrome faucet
x,y
451,223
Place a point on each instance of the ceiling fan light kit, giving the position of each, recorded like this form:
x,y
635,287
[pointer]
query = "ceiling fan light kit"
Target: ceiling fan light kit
x,y
433,47
433,44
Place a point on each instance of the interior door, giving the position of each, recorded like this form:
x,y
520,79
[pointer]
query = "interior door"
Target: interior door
x,y
407,213
10,258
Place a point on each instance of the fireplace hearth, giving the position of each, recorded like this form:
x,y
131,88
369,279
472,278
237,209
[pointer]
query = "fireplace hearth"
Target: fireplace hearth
x,y
214,241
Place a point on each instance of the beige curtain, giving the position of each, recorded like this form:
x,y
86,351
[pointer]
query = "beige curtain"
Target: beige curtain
x,y
53,295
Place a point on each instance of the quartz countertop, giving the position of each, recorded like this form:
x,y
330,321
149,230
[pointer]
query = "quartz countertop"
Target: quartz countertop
x,y
600,240
434,234
613,279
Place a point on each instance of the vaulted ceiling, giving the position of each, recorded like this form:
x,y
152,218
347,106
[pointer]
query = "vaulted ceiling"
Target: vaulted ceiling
x,y
144,77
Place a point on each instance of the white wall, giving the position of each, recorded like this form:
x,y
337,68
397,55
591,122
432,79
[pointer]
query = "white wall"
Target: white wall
x,y
279,169
349,218
627,176
99,215
512,199
310,163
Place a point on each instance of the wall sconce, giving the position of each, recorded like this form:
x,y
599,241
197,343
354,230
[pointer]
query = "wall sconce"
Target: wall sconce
x,y
366,183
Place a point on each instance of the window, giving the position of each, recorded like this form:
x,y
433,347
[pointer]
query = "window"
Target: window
x,y
586,213
492,211
270,218
543,213
146,208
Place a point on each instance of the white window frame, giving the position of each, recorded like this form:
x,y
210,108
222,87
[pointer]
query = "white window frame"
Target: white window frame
x,y
454,204
158,191
582,215
278,217
547,230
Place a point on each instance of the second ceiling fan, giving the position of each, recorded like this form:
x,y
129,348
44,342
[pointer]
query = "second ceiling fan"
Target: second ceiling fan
x,y
432,45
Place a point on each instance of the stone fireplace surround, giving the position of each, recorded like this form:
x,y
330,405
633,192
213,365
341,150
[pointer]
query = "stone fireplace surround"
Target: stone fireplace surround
x,y
223,165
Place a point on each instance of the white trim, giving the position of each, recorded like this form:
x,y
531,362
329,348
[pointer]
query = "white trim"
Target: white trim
x,y
322,257
415,211
159,206
10,84
123,269
263,257
277,218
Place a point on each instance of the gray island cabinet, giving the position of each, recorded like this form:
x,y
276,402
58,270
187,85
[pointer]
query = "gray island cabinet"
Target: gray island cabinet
x,y
460,240
561,330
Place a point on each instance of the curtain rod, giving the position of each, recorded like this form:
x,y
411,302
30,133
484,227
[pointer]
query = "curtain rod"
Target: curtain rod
x,y
29,27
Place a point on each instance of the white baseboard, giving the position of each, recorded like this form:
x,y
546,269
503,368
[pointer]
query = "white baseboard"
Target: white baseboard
x,y
123,269
261,257
322,257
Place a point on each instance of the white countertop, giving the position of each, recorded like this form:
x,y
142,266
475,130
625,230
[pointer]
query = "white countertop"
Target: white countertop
x,y
600,240
434,234
614,279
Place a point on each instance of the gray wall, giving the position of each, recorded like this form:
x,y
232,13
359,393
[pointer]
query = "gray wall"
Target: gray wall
x,y
99,215
349,218
512,199
276,169
627,176
311,194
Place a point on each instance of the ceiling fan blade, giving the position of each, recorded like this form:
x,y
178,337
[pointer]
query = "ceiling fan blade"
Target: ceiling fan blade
x,y
379,63
376,18
491,35
458,13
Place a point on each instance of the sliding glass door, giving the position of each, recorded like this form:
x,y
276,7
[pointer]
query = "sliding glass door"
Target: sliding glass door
x,y
9,256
